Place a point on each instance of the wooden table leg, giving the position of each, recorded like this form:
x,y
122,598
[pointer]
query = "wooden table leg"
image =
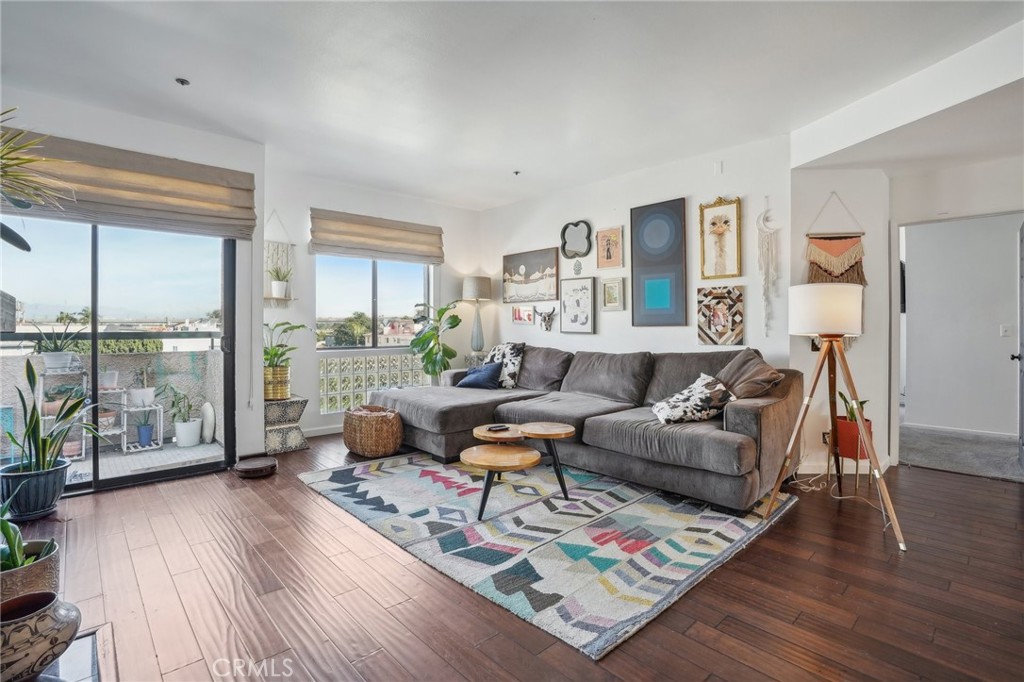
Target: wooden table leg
x,y
488,481
557,465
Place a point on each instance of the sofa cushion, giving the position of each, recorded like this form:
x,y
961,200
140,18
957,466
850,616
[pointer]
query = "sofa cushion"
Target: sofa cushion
x,y
543,368
446,409
748,376
700,401
510,355
698,445
621,377
562,407
672,372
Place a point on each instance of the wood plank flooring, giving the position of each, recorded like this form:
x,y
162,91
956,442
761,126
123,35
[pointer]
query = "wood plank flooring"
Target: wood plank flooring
x,y
197,574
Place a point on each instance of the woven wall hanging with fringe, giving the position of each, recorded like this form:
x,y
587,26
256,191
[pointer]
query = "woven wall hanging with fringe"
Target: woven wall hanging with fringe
x,y
835,259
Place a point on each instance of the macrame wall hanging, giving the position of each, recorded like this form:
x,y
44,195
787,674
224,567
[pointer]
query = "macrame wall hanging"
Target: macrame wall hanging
x,y
834,256
767,260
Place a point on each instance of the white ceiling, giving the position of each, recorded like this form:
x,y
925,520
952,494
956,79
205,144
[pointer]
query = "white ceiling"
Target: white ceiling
x,y
445,100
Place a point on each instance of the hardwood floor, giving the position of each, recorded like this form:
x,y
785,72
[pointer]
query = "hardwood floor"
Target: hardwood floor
x,y
194,575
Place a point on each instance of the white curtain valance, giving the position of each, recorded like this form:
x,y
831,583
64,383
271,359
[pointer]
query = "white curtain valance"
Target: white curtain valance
x,y
129,189
360,236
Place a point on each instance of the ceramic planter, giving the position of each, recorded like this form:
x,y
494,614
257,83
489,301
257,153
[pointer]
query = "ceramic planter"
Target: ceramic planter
x,y
186,434
107,420
108,379
277,383
72,448
42,575
278,289
38,497
850,446
141,397
36,629
145,435
57,362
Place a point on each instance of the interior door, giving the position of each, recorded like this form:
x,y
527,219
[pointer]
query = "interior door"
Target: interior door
x,y
1020,350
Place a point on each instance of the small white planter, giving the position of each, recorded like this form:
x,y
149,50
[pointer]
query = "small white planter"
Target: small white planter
x,y
108,379
186,434
141,397
57,362
279,289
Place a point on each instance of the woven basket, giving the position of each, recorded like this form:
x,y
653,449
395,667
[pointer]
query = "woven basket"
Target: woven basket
x,y
372,431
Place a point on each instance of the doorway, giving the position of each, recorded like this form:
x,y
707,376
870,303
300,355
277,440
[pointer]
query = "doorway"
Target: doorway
x,y
960,324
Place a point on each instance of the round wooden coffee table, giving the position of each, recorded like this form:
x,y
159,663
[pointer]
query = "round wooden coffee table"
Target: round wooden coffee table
x,y
546,431
494,459
509,435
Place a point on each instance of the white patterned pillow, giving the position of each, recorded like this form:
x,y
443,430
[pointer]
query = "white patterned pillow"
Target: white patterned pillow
x,y
702,400
510,355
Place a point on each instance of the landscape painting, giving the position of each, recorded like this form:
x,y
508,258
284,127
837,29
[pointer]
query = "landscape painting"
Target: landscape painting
x,y
530,276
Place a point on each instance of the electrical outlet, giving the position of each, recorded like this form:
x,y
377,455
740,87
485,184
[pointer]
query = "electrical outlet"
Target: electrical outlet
x,y
824,437
1005,331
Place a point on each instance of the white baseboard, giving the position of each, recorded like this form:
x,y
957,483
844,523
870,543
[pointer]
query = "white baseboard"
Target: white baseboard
x,y
950,429
322,430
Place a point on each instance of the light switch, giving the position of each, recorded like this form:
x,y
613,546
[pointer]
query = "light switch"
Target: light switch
x,y
1006,330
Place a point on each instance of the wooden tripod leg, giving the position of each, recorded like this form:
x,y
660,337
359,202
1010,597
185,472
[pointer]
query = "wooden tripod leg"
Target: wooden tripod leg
x,y
826,346
876,469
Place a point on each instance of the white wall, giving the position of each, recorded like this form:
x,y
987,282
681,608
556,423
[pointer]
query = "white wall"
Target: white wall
x,y
961,287
289,197
64,118
866,194
749,171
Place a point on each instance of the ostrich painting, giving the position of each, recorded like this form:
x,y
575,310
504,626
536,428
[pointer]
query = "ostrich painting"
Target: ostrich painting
x,y
719,227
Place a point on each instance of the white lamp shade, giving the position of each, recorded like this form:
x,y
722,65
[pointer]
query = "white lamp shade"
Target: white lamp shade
x,y
826,310
476,288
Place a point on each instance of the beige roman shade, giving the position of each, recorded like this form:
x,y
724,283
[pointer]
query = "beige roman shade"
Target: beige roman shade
x,y
360,236
129,189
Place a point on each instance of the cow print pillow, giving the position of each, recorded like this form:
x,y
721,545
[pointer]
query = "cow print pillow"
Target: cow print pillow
x,y
702,400
510,355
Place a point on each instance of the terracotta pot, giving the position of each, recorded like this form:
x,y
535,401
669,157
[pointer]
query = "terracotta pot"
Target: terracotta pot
x,y
42,575
36,629
277,383
107,420
848,432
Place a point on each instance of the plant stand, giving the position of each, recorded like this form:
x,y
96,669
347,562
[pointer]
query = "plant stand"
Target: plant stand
x,y
83,377
281,432
158,430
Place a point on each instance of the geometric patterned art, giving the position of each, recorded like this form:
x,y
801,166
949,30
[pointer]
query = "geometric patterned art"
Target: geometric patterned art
x,y
590,570
720,316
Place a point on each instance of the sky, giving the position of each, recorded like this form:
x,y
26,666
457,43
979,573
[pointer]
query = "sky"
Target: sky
x,y
144,275
344,286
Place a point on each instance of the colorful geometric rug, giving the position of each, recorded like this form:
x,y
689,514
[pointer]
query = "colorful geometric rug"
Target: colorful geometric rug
x,y
591,571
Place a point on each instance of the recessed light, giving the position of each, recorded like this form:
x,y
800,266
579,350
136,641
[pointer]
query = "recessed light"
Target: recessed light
x,y
182,81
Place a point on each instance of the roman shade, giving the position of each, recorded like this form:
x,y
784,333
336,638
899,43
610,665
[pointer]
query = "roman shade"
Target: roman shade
x,y
129,189
360,236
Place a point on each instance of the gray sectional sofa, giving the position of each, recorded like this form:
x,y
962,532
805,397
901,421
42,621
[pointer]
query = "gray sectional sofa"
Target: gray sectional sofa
x,y
730,461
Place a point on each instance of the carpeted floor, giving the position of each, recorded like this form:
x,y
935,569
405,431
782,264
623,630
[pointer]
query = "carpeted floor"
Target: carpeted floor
x,y
591,570
962,452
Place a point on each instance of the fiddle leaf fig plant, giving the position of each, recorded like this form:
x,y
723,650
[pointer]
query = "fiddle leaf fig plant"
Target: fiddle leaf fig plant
x,y
436,355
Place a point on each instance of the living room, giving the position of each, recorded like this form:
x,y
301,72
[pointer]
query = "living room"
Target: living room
x,y
502,123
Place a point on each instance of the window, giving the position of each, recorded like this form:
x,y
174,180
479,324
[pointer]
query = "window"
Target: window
x,y
363,303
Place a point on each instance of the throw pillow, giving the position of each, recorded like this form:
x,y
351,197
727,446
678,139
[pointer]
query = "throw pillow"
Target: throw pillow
x,y
748,376
484,376
702,400
510,355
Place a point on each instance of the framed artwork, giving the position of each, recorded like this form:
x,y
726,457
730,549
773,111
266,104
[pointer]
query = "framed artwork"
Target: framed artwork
x,y
612,295
530,276
576,242
658,241
720,239
522,314
577,316
609,247
720,316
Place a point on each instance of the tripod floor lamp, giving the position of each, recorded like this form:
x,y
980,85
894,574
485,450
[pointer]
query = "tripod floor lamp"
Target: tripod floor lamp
x,y
832,311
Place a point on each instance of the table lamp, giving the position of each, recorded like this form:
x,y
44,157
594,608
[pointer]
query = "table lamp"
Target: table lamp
x,y
476,289
832,311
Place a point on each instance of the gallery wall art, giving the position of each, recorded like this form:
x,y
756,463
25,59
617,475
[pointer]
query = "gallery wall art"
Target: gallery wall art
x,y
720,316
530,276
720,239
609,247
658,241
577,315
522,314
576,241
612,294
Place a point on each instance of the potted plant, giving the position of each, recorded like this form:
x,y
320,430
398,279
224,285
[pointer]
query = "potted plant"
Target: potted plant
x,y
106,419
108,379
436,354
186,429
54,396
277,384
56,348
141,394
32,566
40,469
279,277
144,427
848,431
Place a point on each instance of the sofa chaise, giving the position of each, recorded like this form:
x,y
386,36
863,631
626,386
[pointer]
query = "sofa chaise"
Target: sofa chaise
x,y
730,461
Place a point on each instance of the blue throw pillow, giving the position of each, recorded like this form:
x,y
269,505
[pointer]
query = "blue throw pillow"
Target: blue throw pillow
x,y
484,376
